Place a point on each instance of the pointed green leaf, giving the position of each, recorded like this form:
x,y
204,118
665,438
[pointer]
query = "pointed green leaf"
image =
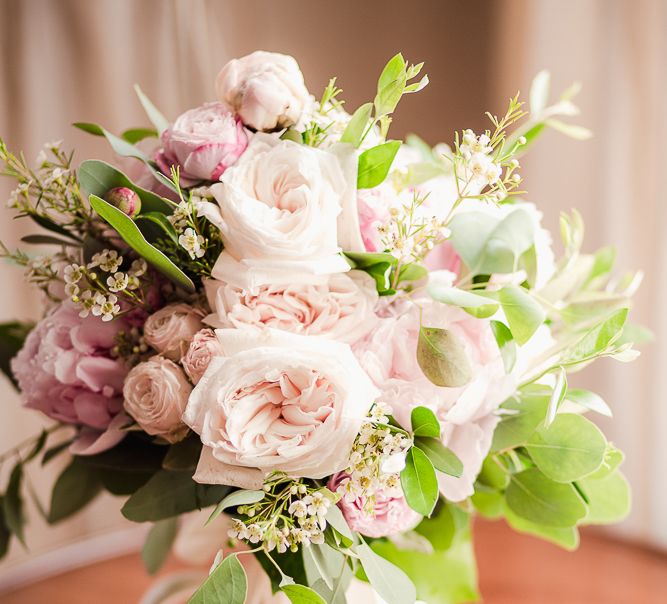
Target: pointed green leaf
x,y
227,583
375,163
357,125
158,544
158,120
424,422
12,503
419,482
235,499
389,581
523,313
300,594
442,458
75,488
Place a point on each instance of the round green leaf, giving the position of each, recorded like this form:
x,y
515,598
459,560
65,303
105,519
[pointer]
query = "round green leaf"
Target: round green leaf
x,y
442,357
608,498
570,448
424,422
535,497
300,594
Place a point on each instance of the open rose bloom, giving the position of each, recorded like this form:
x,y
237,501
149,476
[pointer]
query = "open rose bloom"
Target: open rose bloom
x,y
337,345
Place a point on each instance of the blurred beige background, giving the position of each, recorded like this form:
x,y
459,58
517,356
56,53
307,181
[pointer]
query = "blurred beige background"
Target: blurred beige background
x,y
76,60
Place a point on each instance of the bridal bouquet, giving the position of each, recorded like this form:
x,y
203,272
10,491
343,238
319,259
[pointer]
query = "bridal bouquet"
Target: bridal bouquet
x,y
343,345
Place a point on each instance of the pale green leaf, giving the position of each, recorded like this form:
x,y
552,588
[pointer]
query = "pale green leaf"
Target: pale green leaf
x,y
158,544
227,583
300,594
357,125
442,458
477,305
158,120
608,498
235,499
539,92
588,400
506,344
524,314
565,537
389,581
442,357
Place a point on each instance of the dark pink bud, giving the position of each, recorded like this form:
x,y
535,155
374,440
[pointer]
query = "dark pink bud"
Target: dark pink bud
x,y
125,199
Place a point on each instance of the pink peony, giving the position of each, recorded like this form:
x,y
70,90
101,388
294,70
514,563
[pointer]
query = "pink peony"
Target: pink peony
x,y
170,329
204,142
338,306
391,514
373,206
265,89
156,393
388,355
65,369
203,348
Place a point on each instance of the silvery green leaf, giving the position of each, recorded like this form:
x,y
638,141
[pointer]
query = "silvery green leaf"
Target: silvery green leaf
x,y
158,120
240,497
524,314
389,581
227,583
442,357
557,397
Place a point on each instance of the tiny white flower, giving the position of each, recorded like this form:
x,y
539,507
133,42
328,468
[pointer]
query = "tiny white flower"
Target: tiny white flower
x,y
138,268
192,243
73,273
118,282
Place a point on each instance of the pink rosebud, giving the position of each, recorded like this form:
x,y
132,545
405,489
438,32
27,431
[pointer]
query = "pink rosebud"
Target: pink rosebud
x,y
204,142
203,348
265,89
125,199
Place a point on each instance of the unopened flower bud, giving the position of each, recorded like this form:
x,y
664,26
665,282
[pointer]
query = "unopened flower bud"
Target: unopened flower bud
x,y
125,199
522,140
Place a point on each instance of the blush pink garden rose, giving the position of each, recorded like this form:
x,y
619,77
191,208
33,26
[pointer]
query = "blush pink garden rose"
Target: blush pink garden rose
x,y
66,370
265,89
203,347
170,329
339,306
204,142
391,513
156,392
280,211
388,355
277,402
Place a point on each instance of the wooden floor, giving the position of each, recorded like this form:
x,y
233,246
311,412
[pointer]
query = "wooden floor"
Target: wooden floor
x,y
514,569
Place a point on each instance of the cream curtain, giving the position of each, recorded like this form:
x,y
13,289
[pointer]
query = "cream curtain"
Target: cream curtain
x,y
76,60
618,50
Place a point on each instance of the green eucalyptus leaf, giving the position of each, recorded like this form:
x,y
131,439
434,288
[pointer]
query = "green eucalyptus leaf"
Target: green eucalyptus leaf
x,y
568,449
488,502
389,581
424,422
598,339
445,576
391,71
442,458
375,163
158,544
12,504
131,234
300,594
336,519
442,357
12,338
608,498
557,396
440,529
161,221
565,537
235,499
473,303
49,225
419,482
158,120
47,240
520,421
357,125
535,497
75,488
612,459
149,503
5,533
523,313
183,455
119,145
227,583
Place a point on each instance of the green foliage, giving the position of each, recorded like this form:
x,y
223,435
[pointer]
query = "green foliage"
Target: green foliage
x,y
375,163
383,268
300,594
419,482
506,344
12,337
235,499
158,544
490,245
535,497
149,504
522,417
131,234
442,357
442,458
599,339
565,537
569,449
473,303
523,313
390,582
356,127
12,504
424,422
75,488
227,583
98,177
135,135
158,120
608,498
448,574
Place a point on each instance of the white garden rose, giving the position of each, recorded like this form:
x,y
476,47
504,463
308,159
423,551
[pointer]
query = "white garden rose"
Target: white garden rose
x,y
339,306
277,402
279,208
265,89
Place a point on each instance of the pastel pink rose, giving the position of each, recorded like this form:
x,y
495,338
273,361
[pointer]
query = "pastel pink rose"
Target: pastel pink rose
x,y
265,89
277,402
373,206
203,347
156,392
204,142
338,306
170,329
392,514
65,369
389,356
